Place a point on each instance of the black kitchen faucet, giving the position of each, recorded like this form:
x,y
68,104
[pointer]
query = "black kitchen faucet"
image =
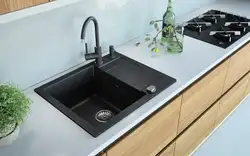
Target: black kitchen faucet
x,y
97,55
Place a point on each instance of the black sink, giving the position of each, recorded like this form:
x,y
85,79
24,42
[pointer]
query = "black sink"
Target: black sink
x,y
98,97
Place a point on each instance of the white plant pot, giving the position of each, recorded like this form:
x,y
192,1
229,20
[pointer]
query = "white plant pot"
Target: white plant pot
x,y
10,138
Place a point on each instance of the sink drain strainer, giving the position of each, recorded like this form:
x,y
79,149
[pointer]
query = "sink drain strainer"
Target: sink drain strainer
x,y
103,115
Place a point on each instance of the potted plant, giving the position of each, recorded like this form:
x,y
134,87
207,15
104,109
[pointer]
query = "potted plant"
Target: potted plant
x,y
14,107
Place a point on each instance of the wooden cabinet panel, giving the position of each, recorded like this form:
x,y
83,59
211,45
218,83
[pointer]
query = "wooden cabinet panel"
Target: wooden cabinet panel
x,y
169,151
248,90
37,2
231,99
13,5
239,66
202,95
216,123
152,136
194,135
248,86
3,7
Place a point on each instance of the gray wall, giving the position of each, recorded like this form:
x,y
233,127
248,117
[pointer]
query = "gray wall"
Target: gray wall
x,y
37,47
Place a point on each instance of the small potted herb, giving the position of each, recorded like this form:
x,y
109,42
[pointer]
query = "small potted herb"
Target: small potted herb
x,y
14,107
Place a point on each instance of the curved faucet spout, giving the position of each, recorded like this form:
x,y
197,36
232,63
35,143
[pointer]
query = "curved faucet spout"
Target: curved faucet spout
x,y
97,55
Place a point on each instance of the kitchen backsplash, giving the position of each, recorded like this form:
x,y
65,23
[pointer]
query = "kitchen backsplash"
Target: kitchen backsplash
x,y
40,46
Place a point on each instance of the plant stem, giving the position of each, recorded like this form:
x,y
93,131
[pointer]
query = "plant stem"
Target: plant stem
x,y
157,34
158,20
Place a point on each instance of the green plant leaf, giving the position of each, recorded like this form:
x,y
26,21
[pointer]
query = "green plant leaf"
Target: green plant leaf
x,y
162,44
147,38
156,27
14,106
155,50
152,22
165,29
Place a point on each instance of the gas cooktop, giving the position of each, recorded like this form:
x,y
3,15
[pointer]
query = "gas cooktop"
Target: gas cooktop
x,y
218,28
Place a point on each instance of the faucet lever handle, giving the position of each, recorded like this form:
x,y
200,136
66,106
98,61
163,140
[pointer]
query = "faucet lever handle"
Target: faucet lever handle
x,y
86,48
112,51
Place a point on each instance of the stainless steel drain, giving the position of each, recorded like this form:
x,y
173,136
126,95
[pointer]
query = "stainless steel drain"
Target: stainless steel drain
x,y
103,115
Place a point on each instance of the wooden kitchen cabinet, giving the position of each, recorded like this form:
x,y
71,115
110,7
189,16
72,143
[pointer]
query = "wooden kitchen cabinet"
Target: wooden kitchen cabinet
x,y
103,154
14,5
195,134
169,151
248,90
36,2
202,95
231,99
248,86
153,135
3,7
238,67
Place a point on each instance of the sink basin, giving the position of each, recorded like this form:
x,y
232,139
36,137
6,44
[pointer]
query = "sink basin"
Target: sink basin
x,y
96,98
92,90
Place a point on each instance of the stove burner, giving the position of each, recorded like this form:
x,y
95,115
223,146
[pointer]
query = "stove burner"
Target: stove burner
x,y
223,36
234,33
237,26
220,15
211,19
240,19
198,26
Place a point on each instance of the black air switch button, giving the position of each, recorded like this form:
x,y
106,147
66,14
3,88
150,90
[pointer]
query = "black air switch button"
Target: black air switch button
x,y
151,89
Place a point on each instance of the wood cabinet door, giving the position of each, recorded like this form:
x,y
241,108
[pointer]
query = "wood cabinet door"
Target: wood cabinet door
x,y
3,7
231,99
238,67
248,90
195,134
202,95
152,136
14,5
37,2
248,86
169,151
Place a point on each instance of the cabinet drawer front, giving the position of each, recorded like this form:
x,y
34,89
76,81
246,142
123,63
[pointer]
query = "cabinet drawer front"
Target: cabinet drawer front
x,y
3,7
248,86
37,2
202,95
18,4
239,66
169,151
248,90
14,5
231,99
152,136
194,135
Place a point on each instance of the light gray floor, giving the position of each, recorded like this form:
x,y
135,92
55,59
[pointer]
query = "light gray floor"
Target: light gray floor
x,y
232,137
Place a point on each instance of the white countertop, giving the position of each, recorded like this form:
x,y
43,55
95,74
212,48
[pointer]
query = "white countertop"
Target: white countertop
x,y
47,132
